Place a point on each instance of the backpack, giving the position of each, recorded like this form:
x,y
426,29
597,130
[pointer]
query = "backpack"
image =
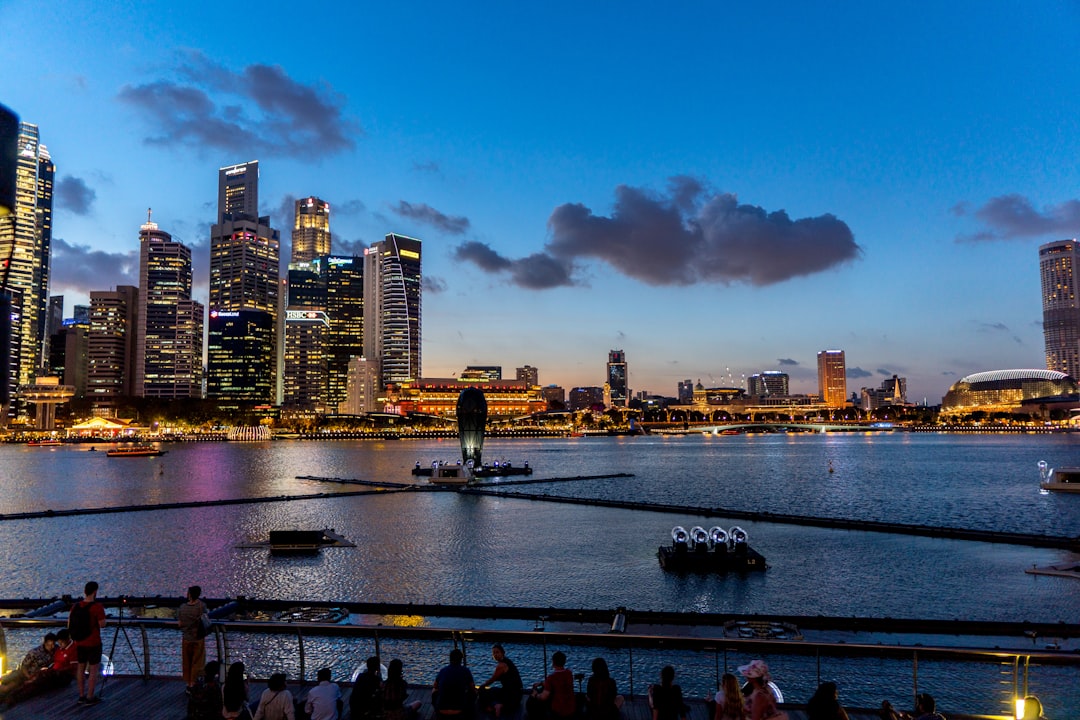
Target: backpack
x,y
79,622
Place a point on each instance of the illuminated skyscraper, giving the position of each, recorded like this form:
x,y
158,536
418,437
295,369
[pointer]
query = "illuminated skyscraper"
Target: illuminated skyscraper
x,y
244,278
769,383
616,378
392,283
26,238
114,315
345,311
311,229
832,377
1061,306
169,333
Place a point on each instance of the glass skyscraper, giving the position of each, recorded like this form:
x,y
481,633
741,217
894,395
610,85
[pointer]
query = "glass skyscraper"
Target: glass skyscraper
x,y
311,229
392,304
616,378
832,377
1061,307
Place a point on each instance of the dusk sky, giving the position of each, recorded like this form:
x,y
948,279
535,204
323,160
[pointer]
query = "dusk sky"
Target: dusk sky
x,y
713,188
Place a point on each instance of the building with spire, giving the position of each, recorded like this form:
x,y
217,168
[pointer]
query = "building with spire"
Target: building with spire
x,y
1061,305
25,247
392,304
169,333
242,347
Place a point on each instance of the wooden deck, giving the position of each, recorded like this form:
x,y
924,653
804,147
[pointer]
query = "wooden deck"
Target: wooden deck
x,y
163,698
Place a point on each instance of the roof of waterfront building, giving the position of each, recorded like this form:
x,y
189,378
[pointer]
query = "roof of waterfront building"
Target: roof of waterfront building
x,y
1007,375
1007,390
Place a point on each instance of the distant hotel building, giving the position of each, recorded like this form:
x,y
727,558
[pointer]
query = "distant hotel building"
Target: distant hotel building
x,y
169,330
832,378
554,396
244,293
529,374
1061,305
26,238
617,378
586,398
481,373
392,304
439,396
771,383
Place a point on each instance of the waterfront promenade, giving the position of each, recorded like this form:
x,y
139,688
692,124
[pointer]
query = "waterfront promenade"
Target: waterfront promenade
x,y
163,698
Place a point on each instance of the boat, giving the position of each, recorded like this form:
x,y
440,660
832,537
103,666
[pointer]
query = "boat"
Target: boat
x,y
43,443
498,469
135,451
1065,479
717,550
447,474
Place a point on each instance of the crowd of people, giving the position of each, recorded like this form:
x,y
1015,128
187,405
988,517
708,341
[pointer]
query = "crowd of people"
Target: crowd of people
x,y
381,693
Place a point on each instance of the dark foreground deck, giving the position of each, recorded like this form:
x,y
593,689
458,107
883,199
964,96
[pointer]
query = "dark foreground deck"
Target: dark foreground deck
x,y
163,698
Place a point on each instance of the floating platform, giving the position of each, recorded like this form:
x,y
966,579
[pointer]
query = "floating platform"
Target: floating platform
x,y
500,470
300,542
717,550
1067,570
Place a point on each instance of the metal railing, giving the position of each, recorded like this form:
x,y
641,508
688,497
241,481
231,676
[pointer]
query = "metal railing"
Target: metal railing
x,y
150,647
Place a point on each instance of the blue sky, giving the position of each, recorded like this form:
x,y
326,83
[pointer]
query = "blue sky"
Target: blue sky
x,y
716,189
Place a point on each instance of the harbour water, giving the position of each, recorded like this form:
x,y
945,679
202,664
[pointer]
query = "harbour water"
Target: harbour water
x,y
448,548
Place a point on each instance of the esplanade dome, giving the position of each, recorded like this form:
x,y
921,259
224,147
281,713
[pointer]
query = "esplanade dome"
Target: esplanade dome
x,y
1006,390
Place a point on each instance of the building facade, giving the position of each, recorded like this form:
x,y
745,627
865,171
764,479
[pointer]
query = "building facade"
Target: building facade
x,y
439,396
529,374
770,383
169,333
305,358
25,247
311,229
114,315
392,307
586,398
892,392
1061,305
244,292
617,378
832,378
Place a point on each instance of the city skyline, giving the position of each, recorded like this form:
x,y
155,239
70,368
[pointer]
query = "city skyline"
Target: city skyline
x,y
584,198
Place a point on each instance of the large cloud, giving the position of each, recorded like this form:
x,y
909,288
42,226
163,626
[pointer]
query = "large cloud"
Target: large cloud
x,y
685,236
74,194
257,110
1014,216
80,268
538,271
450,224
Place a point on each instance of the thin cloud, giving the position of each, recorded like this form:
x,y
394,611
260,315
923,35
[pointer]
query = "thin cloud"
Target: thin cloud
x,y
993,327
350,247
1009,217
80,269
786,361
74,195
886,373
430,167
535,272
434,284
349,207
691,235
855,373
257,110
422,212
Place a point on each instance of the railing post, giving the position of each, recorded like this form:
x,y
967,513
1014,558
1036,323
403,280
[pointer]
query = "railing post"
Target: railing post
x,y
145,651
300,645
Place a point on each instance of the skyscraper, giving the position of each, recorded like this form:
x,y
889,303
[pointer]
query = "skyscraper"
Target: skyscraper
x,y
832,377
345,312
25,245
769,383
616,378
111,345
244,286
311,229
1061,306
169,333
392,289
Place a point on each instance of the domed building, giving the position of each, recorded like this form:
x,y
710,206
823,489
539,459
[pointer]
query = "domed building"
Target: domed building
x,y
1009,391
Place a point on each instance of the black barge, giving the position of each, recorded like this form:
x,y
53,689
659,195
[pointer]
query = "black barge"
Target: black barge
x,y
717,550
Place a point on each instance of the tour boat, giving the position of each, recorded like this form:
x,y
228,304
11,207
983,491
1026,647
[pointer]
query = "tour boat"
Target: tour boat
x,y
43,443
717,550
1066,479
135,451
447,474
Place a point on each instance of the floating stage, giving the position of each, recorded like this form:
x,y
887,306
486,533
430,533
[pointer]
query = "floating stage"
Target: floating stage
x,y
300,542
717,550
495,470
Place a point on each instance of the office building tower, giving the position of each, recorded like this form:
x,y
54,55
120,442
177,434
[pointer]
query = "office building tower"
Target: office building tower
x,y
169,334
586,398
617,378
771,383
240,346
311,230
362,388
892,392
555,396
1061,305
25,246
529,374
111,345
54,320
69,359
832,378
81,313
244,292
305,358
686,392
392,283
345,312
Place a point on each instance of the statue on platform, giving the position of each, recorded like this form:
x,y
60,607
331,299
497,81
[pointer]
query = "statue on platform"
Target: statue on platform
x,y
471,419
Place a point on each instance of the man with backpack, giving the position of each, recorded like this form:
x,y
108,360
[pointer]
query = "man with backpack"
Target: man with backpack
x,y
85,622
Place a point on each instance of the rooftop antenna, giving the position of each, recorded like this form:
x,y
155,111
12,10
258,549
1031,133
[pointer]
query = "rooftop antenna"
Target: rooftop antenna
x,y
149,212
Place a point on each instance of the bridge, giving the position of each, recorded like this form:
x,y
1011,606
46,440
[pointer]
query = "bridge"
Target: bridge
x,y
776,426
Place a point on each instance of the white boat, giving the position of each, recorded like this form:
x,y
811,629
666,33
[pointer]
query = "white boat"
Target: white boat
x,y
1065,479
450,474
